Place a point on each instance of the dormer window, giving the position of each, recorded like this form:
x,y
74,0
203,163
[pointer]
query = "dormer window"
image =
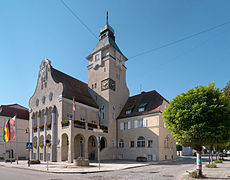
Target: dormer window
x,y
129,109
97,57
141,107
128,112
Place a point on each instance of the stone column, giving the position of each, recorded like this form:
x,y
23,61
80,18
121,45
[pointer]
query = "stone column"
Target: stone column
x,y
86,147
38,132
54,134
45,133
31,131
71,143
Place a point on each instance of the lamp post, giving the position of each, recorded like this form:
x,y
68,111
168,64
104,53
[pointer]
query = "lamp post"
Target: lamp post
x,y
98,144
27,131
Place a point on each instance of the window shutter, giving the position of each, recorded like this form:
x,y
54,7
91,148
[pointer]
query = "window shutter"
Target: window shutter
x,y
129,125
135,124
122,126
144,123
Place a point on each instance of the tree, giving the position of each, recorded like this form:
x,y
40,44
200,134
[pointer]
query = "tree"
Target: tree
x,y
227,90
199,117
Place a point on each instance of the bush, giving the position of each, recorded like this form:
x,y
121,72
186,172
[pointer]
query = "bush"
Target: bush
x,y
141,159
218,161
10,159
35,145
34,162
211,165
194,174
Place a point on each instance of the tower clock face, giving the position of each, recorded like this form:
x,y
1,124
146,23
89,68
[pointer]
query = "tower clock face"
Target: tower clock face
x,y
105,84
108,84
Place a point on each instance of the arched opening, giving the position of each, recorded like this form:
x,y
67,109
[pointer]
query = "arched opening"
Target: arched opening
x,y
141,141
92,148
79,146
64,147
103,143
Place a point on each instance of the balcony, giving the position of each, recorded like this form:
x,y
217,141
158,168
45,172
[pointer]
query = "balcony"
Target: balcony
x,y
79,124
65,123
104,128
92,126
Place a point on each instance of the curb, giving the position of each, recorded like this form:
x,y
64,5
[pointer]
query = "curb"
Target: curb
x,y
88,172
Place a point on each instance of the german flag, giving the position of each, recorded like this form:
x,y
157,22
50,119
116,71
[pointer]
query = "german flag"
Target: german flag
x,y
6,132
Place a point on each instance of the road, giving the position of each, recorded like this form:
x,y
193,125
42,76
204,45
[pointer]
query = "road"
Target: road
x,y
162,171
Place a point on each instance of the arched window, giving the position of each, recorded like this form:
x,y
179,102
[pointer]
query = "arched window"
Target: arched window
x,y
141,141
121,143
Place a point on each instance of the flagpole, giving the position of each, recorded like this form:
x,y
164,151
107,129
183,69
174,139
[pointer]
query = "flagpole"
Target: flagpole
x,y
16,149
4,138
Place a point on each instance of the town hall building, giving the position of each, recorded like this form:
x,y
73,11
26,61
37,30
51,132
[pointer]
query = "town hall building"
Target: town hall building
x,y
129,127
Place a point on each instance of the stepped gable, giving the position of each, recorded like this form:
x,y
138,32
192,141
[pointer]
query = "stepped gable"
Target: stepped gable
x,y
14,109
73,88
152,101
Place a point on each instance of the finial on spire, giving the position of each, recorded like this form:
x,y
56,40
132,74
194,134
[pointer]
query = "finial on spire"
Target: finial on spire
x,y
107,18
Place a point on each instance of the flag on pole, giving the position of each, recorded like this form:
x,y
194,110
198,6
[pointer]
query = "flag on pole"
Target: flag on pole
x,y
74,105
99,113
6,132
3,137
12,123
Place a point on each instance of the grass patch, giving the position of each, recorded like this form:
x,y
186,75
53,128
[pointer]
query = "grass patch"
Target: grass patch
x,y
218,161
211,165
194,174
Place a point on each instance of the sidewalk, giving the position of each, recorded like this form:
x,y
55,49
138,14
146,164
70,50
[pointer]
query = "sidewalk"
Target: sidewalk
x,y
221,172
64,167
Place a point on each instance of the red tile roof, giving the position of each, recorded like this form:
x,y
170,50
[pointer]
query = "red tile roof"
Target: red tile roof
x,y
11,110
73,88
153,99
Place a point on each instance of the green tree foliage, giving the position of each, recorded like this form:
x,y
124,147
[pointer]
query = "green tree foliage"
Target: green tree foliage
x,y
227,90
199,117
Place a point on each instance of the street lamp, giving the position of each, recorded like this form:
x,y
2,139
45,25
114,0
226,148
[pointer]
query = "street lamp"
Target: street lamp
x,y
27,131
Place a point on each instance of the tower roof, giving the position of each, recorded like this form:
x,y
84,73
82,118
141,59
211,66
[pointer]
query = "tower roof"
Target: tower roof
x,y
106,39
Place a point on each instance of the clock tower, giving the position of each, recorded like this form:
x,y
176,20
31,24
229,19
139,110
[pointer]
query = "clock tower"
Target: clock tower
x,y
107,78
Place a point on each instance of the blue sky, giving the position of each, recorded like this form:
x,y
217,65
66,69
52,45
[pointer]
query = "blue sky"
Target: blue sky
x,y
32,30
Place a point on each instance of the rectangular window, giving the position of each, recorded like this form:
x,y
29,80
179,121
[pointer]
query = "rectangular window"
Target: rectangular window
x,y
142,109
135,124
132,144
69,117
82,119
41,156
140,123
129,125
121,126
128,112
150,143
150,157
125,125
97,57
95,85
113,144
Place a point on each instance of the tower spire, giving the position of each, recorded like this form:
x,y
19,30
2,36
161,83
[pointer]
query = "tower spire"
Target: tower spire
x,y
107,18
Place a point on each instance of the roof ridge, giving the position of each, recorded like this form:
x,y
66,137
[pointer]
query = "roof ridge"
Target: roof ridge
x,y
143,93
70,76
